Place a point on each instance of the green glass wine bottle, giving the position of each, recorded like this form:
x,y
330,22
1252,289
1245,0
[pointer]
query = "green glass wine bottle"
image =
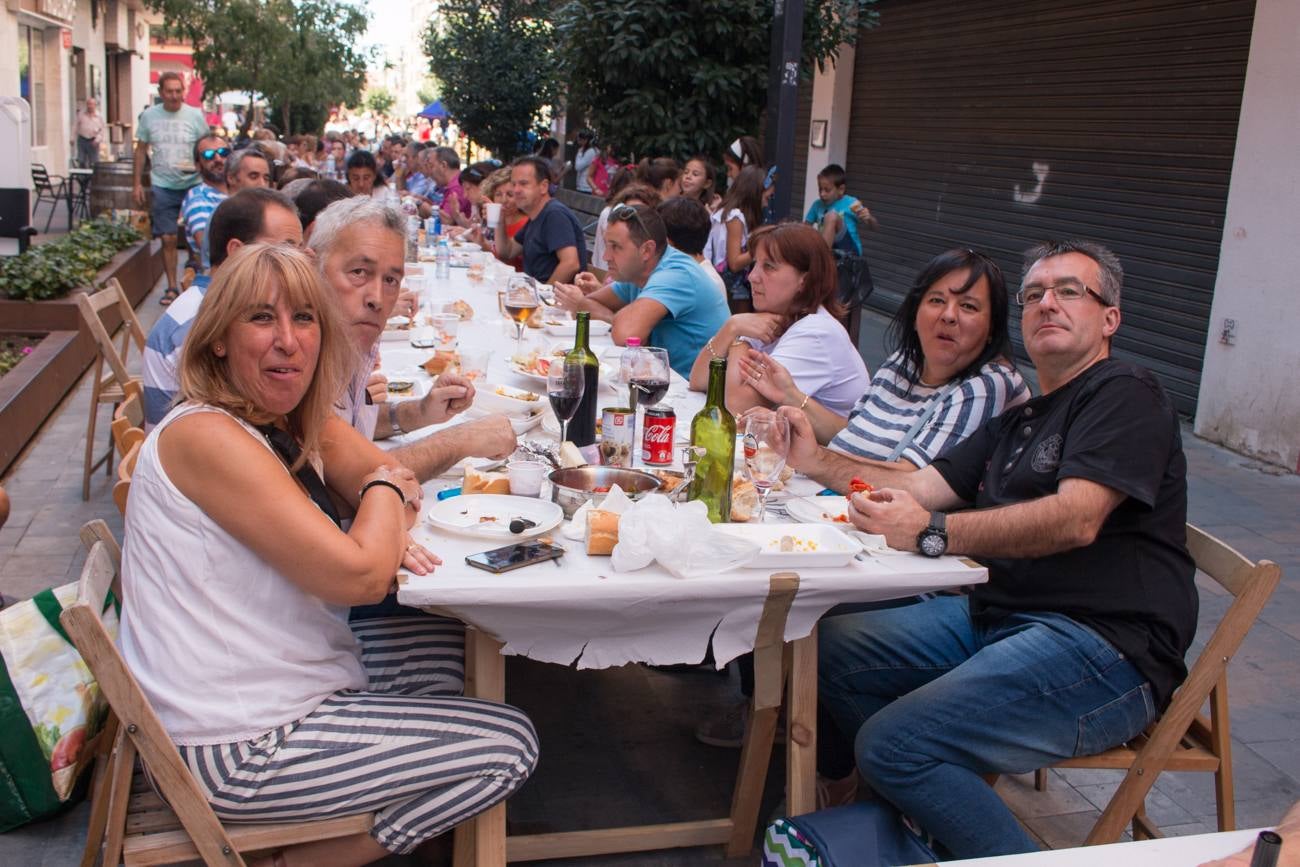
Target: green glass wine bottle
x,y
582,430
714,430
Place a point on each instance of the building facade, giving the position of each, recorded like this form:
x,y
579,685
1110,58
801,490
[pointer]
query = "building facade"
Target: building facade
x,y
1166,131
58,53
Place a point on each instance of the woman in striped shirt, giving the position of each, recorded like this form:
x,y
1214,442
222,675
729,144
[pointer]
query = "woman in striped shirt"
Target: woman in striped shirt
x,y
950,370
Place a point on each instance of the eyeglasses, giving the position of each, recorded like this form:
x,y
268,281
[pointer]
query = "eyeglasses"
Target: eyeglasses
x,y
209,153
625,213
1065,292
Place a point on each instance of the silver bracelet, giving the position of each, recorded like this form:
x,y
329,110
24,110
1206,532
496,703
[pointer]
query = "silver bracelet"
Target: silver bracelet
x,y
392,417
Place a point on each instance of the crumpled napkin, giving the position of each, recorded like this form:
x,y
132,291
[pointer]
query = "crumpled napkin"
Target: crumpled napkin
x,y
679,536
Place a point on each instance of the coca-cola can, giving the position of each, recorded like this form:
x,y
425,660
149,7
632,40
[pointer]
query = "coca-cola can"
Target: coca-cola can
x,y
616,437
657,436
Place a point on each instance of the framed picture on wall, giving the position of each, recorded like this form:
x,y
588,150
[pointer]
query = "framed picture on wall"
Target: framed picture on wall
x,y
818,137
96,82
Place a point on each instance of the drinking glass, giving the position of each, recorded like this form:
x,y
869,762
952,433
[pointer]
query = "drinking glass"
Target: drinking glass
x,y
648,376
767,445
520,302
565,384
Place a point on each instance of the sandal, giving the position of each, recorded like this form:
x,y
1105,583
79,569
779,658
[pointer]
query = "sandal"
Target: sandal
x,y
169,295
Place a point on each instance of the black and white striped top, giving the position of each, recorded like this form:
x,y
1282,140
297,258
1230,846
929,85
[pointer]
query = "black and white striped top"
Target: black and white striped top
x,y
884,415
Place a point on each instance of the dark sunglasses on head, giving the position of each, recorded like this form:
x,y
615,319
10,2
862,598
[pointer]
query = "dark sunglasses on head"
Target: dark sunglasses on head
x,y
209,153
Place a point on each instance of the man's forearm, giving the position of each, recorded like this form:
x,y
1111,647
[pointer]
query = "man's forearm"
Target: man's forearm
x,y
596,309
137,165
433,455
835,470
1036,528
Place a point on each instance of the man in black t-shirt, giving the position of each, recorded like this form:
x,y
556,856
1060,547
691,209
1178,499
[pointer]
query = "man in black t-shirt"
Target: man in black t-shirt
x,y
1076,502
551,242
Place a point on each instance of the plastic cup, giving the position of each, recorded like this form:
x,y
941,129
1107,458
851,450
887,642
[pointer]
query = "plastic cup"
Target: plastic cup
x,y
526,477
445,326
493,214
474,363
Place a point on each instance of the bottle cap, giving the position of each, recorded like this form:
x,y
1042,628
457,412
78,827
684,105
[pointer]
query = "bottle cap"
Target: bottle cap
x,y
633,341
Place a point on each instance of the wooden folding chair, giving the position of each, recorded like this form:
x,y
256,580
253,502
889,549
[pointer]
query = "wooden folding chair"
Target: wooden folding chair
x,y
128,419
111,387
125,469
1182,739
129,822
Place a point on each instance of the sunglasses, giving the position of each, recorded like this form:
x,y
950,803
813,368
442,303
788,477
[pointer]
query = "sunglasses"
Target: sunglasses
x,y
209,153
626,214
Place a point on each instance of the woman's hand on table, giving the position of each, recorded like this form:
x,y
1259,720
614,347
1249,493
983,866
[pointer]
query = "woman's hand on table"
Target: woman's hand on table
x,y
377,387
769,378
891,513
418,558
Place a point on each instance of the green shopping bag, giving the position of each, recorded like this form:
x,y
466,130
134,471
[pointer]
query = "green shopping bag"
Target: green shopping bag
x,y
50,708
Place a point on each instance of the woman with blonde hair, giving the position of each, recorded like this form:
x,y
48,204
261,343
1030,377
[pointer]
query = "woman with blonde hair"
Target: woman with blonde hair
x,y
238,576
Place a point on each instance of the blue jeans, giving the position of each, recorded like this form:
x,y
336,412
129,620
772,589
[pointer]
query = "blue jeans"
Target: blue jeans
x,y
937,699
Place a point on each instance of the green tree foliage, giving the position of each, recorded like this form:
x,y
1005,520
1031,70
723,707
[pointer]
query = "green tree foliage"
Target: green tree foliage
x,y
497,65
300,54
675,79
380,100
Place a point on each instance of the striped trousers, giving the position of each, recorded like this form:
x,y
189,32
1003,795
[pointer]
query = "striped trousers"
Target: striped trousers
x,y
409,748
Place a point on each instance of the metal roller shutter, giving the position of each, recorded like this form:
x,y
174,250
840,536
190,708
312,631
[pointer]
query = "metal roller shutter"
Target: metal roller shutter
x,y
997,125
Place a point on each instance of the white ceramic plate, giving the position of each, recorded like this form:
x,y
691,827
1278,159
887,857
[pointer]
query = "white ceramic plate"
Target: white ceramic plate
x,y
488,399
560,328
465,515
607,373
811,545
521,424
818,510
482,465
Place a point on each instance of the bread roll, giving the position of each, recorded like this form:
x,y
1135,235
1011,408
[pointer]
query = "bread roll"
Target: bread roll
x,y
744,500
602,532
442,359
484,483
462,309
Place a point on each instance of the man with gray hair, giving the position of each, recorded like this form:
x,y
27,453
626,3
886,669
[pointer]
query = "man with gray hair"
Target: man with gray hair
x,y
359,245
1076,501
247,167
446,174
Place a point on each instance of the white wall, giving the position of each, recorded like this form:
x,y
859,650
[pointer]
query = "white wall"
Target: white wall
x,y
1250,391
832,96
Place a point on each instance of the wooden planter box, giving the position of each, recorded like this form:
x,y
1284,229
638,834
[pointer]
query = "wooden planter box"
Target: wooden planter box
x,y
31,391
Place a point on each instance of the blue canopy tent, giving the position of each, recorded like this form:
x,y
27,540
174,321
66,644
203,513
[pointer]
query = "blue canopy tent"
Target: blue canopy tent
x,y
434,110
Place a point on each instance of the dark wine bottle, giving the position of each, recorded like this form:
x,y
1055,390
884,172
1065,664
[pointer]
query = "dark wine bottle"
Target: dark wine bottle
x,y
582,430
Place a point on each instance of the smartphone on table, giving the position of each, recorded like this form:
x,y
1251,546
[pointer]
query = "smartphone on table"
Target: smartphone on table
x,y
513,557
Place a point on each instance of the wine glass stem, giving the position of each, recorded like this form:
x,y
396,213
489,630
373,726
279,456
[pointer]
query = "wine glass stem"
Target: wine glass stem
x,y
762,503
564,427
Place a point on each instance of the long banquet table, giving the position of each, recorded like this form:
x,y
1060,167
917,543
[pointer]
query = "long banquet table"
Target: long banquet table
x,y
587,614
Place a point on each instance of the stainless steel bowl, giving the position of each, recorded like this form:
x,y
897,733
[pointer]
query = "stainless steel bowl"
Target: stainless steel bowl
x,y
572,487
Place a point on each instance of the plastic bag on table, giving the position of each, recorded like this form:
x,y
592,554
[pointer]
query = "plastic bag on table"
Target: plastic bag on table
x,y
679,536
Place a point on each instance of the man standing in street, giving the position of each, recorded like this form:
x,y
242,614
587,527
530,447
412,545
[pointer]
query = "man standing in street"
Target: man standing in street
x,y
90,133
166,134
552,243
1076,501
196,209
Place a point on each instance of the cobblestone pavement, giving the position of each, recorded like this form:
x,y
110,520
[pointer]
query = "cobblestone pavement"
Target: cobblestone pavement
x,y
617,744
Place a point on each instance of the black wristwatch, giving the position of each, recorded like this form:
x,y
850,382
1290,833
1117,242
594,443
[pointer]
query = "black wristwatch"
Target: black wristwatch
x,y
933,540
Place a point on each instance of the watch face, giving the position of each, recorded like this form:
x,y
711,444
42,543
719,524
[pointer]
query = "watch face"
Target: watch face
x,y
932,545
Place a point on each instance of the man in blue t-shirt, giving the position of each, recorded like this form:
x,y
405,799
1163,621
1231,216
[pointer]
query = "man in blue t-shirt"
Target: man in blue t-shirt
x,y
663,296
552,242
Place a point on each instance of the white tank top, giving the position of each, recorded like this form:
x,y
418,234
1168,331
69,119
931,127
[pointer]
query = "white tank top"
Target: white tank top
x,y
224,647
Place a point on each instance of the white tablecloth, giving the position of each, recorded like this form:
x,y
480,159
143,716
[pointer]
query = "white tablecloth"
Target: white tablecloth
x,y
581,610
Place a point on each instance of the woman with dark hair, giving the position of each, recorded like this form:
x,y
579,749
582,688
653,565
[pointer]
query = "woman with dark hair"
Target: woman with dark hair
x,y
950,370
550,151
364,177
795,304
741,153
740,213
584,161
661,173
